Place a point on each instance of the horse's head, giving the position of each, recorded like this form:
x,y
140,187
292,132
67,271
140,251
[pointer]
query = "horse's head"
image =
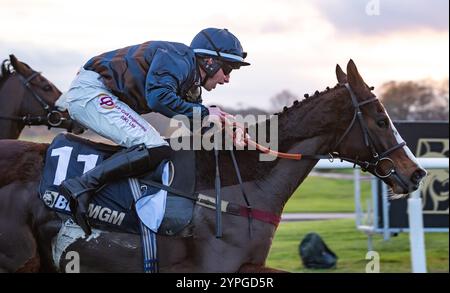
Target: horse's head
x,y
38,106
371,139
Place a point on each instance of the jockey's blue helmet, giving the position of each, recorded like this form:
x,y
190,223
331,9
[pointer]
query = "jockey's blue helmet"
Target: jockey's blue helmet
x,y
219,44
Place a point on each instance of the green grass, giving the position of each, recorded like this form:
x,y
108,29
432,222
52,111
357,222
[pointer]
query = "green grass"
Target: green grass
x,y
350,245
317,194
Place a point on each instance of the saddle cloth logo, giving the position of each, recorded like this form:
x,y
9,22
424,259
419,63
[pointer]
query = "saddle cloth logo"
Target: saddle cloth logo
x,y
106,101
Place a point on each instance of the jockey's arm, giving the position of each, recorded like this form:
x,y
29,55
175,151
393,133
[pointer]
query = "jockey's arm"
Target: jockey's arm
x,y
168,103
165,75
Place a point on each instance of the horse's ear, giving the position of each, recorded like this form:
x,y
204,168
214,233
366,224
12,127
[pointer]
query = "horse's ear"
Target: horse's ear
x,y
355,80
18,66
341,76
13,60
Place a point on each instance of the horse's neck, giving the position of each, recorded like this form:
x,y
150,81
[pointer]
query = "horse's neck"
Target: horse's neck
x,y
285,177
11,98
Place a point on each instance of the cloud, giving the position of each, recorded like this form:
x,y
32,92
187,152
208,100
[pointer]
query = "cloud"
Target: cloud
x,y
292,45
57,65
385,16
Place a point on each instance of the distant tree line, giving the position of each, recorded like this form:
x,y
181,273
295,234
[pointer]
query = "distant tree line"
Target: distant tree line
x,y
416,100
404,100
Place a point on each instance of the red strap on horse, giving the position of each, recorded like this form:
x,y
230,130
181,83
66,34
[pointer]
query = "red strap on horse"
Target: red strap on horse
x,y
260,215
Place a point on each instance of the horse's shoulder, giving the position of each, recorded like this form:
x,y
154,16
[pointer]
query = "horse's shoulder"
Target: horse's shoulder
x,y
20,160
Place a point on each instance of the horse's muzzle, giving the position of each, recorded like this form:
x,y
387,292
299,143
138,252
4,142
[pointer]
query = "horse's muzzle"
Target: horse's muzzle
x,y
417,177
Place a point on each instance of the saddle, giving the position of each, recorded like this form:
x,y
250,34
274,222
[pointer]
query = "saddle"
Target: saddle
x,y
114,206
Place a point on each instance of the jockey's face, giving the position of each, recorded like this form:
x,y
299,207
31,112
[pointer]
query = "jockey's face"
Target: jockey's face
x,y
218,78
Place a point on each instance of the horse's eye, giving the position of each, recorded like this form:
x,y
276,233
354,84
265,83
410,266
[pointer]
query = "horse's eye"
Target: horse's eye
x,y
383,123
47,88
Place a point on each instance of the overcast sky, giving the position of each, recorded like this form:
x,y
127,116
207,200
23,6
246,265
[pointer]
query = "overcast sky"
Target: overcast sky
x,y
292,44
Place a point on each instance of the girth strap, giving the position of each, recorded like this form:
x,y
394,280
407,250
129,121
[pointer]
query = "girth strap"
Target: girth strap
x,y
225,206
193,197
238,210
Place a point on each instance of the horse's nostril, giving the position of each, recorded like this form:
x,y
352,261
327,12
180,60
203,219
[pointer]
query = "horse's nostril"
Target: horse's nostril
x,y
418,175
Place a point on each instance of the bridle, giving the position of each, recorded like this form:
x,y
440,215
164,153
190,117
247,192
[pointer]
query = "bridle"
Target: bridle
x,y
377,159
53,117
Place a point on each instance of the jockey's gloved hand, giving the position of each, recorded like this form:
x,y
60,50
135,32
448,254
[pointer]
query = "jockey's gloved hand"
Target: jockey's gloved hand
x,y
240,136
216,115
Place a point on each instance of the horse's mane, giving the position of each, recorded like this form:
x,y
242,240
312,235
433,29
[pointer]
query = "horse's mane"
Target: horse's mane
x,y
306,100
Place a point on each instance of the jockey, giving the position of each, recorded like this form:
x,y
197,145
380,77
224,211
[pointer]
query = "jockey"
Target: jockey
x,y
111,91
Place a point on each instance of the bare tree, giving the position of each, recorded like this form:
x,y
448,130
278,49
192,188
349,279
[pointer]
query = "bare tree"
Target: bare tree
x,y
416,100
283,99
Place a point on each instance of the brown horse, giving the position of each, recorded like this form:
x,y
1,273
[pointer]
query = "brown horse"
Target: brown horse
x,y
28,98
346,120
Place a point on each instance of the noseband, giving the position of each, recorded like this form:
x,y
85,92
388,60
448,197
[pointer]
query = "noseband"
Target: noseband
x,y
53,117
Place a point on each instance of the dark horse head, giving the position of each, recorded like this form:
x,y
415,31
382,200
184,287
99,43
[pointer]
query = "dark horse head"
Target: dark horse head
x,y
371,135
28,98
346,121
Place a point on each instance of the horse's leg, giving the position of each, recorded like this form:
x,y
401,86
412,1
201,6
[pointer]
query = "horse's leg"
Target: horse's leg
x,y
18,247
46,225
121,252
253,268
102,251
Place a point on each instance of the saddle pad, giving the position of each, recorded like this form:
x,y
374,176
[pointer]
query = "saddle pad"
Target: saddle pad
x,y
150,207
179,210
113,207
